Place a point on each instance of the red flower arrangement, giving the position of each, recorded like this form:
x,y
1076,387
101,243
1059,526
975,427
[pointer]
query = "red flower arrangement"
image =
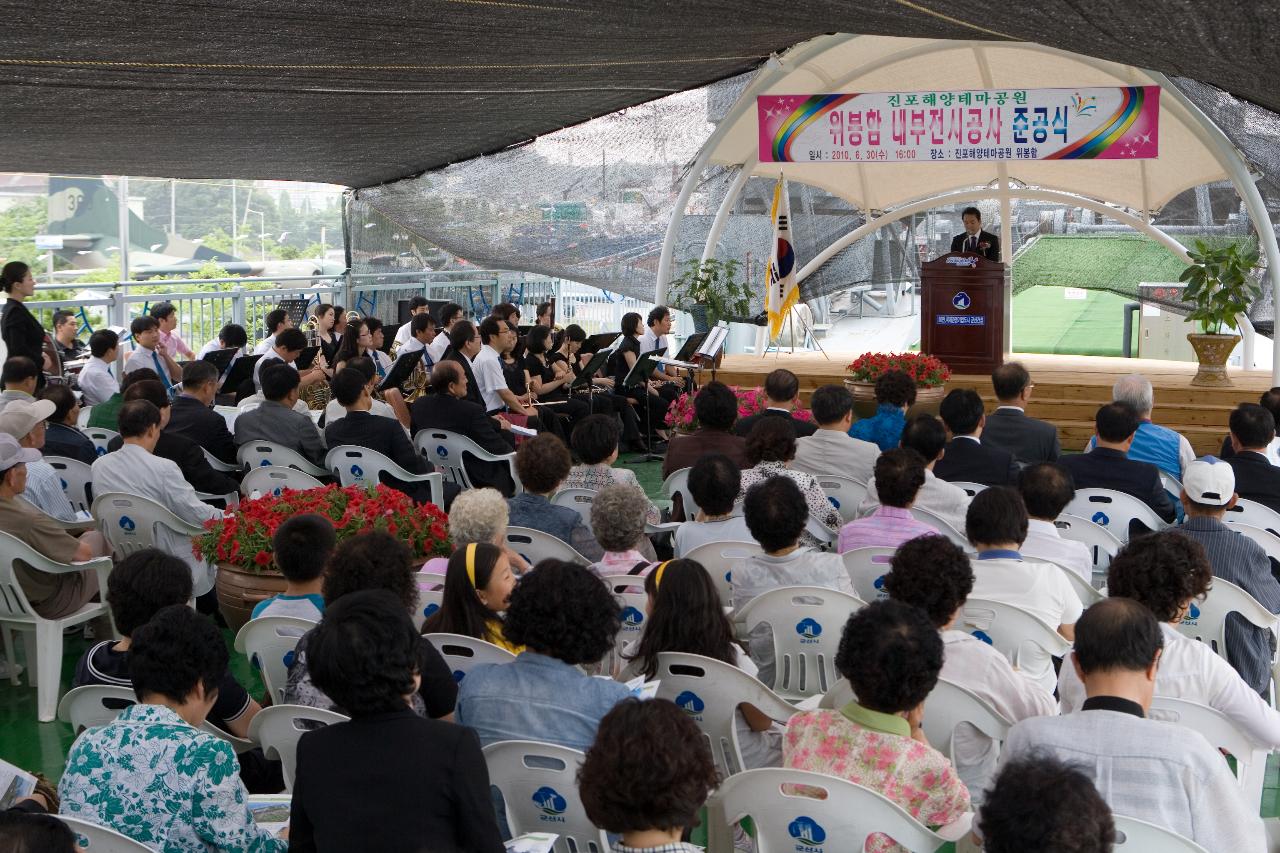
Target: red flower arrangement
x,y
242,537
926,370
681,414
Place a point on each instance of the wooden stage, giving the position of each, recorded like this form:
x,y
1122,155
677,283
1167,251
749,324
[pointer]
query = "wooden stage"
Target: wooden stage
x,y
1068,390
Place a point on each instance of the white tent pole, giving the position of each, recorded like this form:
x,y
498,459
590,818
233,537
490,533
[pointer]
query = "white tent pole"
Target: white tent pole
x,y
1006,255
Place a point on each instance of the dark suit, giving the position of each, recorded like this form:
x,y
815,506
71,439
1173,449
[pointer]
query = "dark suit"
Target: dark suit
x,y
961,243
1104,468
1029,440
192,419
744,425
685,450
446,412
69,443
188,456
473,387
386,436
970,461
1256,478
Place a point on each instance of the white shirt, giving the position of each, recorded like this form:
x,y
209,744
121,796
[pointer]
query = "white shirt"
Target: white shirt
x,y
266,359
650,342
134,471
691,534
411,345
265,345
211,346
143,357
97,382
945,500
834,451
1191,670
1044,542
402,333
438,346
335,411
487,366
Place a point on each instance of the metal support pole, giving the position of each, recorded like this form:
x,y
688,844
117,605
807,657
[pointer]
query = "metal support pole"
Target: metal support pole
x,y
122,213
237,305
173,207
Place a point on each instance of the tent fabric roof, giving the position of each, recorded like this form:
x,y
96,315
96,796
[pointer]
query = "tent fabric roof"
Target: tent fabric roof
x,y
363,94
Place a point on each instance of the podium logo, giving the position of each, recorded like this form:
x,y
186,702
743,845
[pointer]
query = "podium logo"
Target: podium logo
x,y
809,630
550,803
691,703
807,831
961,301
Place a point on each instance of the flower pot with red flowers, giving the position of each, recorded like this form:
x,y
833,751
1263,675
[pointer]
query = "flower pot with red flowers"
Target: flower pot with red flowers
x,y
930,374
239,543
682,417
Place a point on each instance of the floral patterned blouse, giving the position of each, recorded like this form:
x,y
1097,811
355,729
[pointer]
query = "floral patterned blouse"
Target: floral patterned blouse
x,y
153,777
820,507
876,751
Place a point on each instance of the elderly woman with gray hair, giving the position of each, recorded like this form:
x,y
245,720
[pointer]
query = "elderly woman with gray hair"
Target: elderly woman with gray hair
x,y
478,515
618,521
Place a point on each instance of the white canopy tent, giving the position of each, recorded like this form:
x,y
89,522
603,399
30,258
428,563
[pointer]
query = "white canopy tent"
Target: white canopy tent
x,y
1193,150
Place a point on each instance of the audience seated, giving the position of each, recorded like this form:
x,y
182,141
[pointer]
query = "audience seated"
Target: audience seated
x,y
30,830
1168,573
151,774
448,408
478,515
106,415
542,464
192,416
830,449
714,483
1270,400
1046,489
1208,492
334,411
97,378
1041,803
62,437
770,449
891,654
895,393
1028,439
1252,430
1162,447
1108,466
618,523
1152,770
19,376
926,435
933,574
477,590
374,560
646,776
595,441
997,526
716,407
148,353
300,549
967,459
899,474
66,341
565,618
387,780
25,422
276,421
782,391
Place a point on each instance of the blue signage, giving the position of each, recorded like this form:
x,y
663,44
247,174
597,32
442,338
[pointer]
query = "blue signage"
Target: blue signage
x,y
960,319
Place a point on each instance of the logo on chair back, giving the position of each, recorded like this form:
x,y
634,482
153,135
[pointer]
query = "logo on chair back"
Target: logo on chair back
x,y
835,503
809,631
691,703
631,617
808,832
442,451
550,803
879,585
357,471
102,450
1192,617
1100,518
126,524
265,463
289,657
984,637
430,609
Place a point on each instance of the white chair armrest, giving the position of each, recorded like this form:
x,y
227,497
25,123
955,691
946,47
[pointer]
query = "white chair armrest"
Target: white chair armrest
x,y
957,829
668,527
218,465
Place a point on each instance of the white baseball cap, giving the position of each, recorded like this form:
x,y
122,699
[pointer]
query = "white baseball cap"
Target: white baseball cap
x,y
1209,481
19,417
12,453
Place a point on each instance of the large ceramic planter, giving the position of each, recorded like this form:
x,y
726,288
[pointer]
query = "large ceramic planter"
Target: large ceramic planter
x,y
1212,351
240,591
928,399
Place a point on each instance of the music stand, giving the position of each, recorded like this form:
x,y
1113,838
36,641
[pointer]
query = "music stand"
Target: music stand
x,y
221,358
401,370
306,358
589,371
595,343
691,346
241,371
639,377
295,308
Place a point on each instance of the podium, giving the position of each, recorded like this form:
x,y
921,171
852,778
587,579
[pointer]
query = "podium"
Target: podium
x,y
963,312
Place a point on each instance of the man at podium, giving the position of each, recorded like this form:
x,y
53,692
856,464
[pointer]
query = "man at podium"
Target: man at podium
x,y
974,240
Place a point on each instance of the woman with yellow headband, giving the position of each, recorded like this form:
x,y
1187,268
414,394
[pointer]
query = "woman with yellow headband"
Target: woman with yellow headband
x,y
477,588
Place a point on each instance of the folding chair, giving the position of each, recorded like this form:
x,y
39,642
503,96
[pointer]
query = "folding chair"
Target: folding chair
x,y
845,493
718,558
539,785
129,522
1012,631
948,705
578,500
1138,836
274,479
1102,543
535,545
464,654
100,438
867,568
96,838
270,643
806,622
677,482
277,730
77,481
94,705
360,466
943,527
1113,511
448,452
1221,733
260,454
1253,513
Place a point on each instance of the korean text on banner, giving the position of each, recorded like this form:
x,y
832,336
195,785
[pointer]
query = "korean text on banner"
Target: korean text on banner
x,y
781,290
1104,123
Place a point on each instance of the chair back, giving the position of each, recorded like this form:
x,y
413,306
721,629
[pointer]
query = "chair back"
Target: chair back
x,y
867,568
129,522
1253,513
100,437
1170,484
270,643
274,479
628,591
818,530
94,705
677,482
807,622
539,785
1138,836
535,545
1084,590
229,414
95,838
1102,543
217,464
1011,631
942,526
447,451
1268,541
718,558
279,728
845,493
430,598
260,454
709,691
1206,621
464,654
76,479
352,465
1222,733
950,705
970,489
1113,511
578,500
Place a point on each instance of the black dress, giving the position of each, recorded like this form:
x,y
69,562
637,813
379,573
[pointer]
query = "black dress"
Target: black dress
x,y
655,416
573,407
23,334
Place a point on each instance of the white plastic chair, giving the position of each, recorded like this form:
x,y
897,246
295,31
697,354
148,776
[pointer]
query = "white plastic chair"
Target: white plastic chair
x,y
276,729
629,592
787,819
1084,590
1113,511
970,489
1138,836
806,622
464,654
948,705
229,414
1222,733
77,481
44,657
1268,541
100,437
1207,620
96,838
1011,631
260,454
942,526
87,706
448,450
535,545
1170,483
539,786
578,500
867,568
825,535
230,499
274,479
1253,513
429,600
82,420
710,691
845,493
718,558
217,464
129,522
270,642
360,466
1102,543
677,482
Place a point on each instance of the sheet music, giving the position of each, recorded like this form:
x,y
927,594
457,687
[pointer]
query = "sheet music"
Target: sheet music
x,y
715,340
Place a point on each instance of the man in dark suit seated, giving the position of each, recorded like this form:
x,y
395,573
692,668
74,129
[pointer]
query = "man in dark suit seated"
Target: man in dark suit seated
x,y
448,408
717,408
782,389
967,459
464,346
192,416
1029,440
1252,429
974,240
1108,465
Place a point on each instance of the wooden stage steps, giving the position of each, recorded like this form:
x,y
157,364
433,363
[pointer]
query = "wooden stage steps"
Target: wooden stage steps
x,y
1068,390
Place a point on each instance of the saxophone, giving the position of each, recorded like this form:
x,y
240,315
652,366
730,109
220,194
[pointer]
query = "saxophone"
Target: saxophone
x,y
317,394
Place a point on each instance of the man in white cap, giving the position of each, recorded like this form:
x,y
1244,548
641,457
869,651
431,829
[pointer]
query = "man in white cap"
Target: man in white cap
x,y
1208,491
25,421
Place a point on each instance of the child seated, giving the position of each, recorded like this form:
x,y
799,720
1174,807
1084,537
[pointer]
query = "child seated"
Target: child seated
x,y
477,587
301,546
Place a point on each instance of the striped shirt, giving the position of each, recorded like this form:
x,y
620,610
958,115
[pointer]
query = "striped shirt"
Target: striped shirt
x,y
887,527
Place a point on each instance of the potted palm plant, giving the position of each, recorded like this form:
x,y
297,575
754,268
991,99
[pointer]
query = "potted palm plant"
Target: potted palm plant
x,y
1220,286
710,292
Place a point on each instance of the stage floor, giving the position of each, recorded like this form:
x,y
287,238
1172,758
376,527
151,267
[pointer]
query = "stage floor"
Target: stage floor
x,y
1068,389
